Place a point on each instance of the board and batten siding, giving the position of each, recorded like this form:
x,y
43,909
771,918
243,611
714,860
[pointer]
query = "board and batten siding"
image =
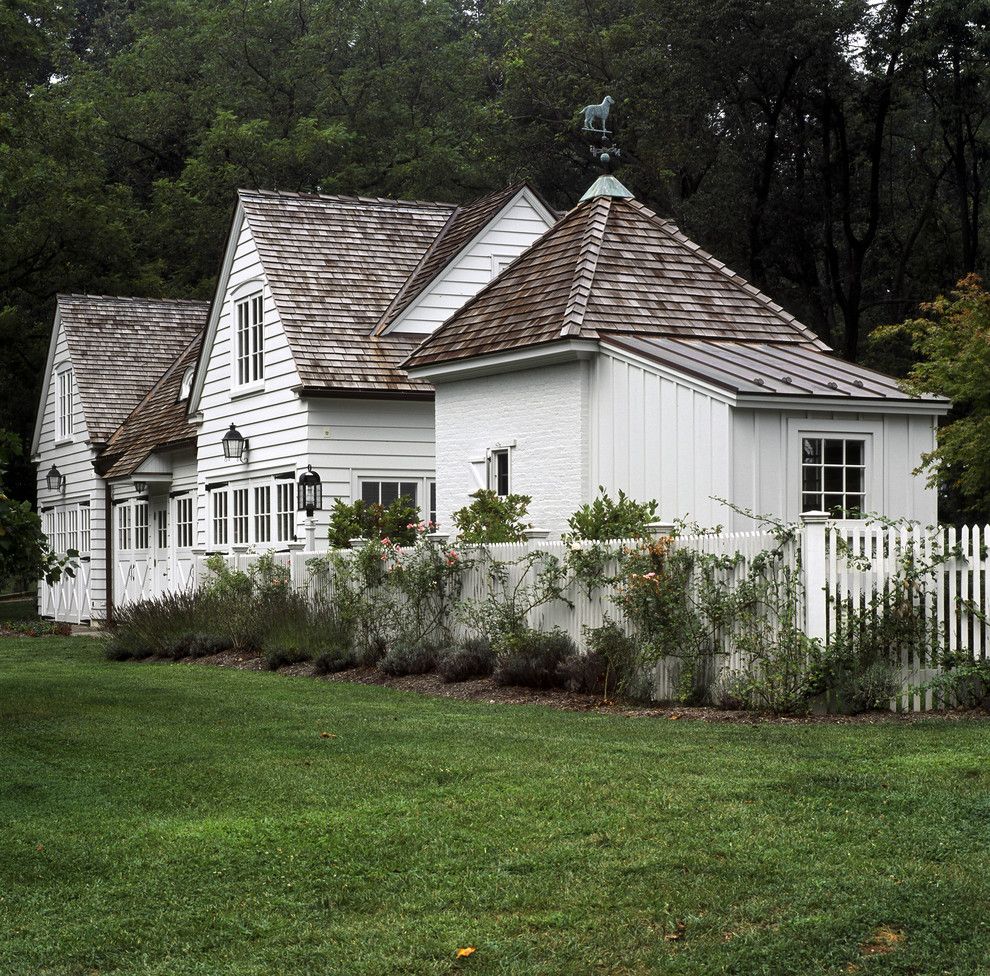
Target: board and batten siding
x,y
767,459
505,238
656,436
74,458
273,418
541,415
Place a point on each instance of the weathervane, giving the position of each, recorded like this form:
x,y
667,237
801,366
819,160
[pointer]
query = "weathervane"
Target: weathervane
x,y
606,151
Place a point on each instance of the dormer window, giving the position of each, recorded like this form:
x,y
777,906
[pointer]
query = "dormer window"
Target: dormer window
x,y
249,340
185,387
64,404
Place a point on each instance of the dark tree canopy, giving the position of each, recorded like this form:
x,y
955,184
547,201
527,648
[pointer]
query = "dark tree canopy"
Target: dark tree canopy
x,y
833,152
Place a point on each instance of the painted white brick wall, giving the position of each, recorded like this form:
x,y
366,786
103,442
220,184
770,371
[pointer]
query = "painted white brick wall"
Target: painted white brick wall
x,y
544,411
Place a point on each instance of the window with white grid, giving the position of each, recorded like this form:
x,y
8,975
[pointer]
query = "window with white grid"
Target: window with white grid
x,y
161,526
240,522
833,475
123,527
65,404
285,511
184,522
85,535
263,513
250,340
60,530
141,525
220,520
72,529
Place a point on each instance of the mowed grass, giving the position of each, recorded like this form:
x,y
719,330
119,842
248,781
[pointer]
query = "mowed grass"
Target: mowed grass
x,y
166,819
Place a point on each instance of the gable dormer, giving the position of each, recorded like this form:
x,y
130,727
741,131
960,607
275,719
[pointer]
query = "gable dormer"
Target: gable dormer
x,y
477,243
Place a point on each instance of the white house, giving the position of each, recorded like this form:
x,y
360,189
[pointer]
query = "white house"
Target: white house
x,y
616,352
427,350
319,299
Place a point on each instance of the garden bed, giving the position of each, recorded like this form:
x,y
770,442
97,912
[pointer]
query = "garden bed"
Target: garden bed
x,y
486,690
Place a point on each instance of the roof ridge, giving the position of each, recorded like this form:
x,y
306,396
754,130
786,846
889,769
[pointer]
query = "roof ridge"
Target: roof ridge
x,y
72,296
674,232
346,198
587,265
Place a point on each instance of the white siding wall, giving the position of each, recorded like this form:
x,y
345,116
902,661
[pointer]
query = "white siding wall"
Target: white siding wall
x,y
543,413
75,460
507,237
274,420
767,459
374,439
657,437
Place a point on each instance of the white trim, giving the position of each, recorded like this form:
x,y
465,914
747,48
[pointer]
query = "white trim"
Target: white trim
x,y
39,420
718,393
935,408
524,193
559,351
216,307
870,431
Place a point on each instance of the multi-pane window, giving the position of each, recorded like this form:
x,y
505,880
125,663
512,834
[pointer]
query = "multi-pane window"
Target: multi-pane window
x,y
65,405
240,500
250,340
385,492
220,523
140,525
285,514
72,529
431,515
123,527
498,471
85,535
263,513
161,525
833,475
184,522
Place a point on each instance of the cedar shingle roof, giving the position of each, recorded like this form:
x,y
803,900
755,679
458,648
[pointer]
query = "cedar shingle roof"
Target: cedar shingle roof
x,y
159,421
762,369
462,226
334,264
611,265
119,349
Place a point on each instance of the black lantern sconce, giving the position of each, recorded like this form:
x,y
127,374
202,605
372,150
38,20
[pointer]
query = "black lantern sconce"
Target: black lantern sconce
x,y
234,445
55,479
310,492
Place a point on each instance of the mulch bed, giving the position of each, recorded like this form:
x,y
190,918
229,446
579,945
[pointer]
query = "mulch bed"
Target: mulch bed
x,y
485,690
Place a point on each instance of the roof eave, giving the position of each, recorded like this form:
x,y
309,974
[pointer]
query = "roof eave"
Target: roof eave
x,y
526,357
359,393
937,407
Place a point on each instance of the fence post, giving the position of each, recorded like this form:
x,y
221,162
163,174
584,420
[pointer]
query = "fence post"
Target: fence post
x,y
814,566
660,528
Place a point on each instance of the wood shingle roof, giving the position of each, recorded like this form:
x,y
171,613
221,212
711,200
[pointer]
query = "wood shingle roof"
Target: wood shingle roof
x,y
120,347
610,265
159,421
334,265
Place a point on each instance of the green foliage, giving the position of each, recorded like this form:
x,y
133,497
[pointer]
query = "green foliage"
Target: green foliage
x,y
396,522
619,655
491,518
514,589
534,659
606,519
402,659
34,628
964,680
952,341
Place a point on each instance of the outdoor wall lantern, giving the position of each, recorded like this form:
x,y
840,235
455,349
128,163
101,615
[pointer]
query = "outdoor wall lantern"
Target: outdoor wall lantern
x,y
310,492
140,487
234,445
55,479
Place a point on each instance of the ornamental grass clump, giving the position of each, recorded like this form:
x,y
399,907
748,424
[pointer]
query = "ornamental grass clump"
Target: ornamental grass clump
x,y
473,658
403,659
534,659
161,627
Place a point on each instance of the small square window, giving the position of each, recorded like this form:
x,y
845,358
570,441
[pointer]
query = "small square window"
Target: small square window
x,y
833,475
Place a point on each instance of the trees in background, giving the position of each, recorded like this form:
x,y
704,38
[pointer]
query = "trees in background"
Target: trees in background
x,y
833,151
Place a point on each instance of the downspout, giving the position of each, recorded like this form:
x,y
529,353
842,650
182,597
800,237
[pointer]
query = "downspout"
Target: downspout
x,y
108,547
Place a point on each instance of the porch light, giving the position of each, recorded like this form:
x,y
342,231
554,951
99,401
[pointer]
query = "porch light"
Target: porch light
x,y
310,492
140,487
55,479
234,445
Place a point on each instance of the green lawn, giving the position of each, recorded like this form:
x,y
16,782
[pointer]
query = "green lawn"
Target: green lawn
x,y
186,820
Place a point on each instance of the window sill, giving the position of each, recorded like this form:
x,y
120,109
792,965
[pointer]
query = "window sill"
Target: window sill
x,y
250,389
65,441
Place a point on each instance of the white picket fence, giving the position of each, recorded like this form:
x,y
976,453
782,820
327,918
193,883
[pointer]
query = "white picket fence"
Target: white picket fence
x,y
844,565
